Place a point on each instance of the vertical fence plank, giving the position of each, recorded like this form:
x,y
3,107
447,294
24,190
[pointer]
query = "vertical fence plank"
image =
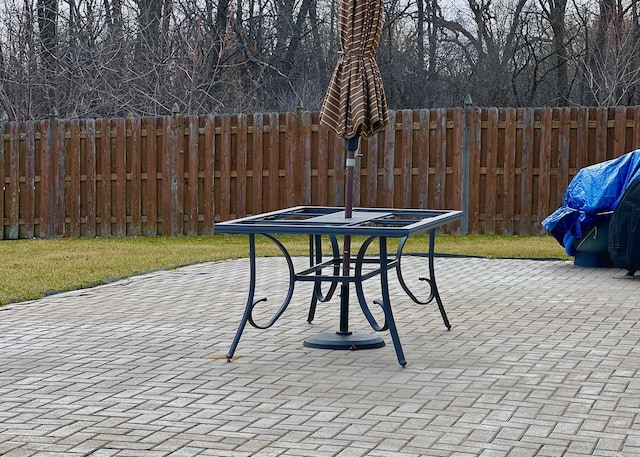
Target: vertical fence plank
x,y
133,160
491,172
209,174
258,163
636,129
440,166
241,166
225,167
564,147
29,194
601,135
193,167
424,128
582,138
475,138
322,181
59,160
135,182
526,171
170,152
406,159
90,181
338,170
273,164
544,153
13,188
105,177
178,172
293,158
290,178
151,207
44,185
168,143
508,202
72,189
120,153
619,132
630,120
304,146
371,159
455,201
389,158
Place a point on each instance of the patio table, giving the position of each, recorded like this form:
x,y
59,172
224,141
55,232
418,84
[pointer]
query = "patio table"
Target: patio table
x,y
320,223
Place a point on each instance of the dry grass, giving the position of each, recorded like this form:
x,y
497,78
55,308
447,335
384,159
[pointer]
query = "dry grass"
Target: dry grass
x,y
33,268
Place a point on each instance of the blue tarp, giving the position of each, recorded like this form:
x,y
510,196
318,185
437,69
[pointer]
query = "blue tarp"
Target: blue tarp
x,y
594,190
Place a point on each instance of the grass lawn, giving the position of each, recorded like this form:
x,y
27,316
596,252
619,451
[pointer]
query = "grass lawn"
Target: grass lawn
x,y
32,269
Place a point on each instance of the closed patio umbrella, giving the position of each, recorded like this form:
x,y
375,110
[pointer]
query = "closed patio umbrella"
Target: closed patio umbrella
x,y
354,106
355,103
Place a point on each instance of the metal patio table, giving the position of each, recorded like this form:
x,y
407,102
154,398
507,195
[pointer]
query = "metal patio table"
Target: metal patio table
x,y
320,223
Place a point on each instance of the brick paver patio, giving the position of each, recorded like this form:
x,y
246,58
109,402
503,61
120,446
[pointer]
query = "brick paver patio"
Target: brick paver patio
x,y
542,360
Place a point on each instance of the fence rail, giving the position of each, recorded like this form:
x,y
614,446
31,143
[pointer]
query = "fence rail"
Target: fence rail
x,y
180,174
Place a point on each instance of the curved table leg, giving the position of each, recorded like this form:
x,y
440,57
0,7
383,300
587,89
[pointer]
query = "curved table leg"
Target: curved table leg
x,y
386,302
431,280
252,302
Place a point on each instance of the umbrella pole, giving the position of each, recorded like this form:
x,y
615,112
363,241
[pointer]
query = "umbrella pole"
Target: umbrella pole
x,y
351,145
343,338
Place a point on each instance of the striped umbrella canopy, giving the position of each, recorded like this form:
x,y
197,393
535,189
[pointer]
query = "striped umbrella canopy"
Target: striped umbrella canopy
x,y
355,103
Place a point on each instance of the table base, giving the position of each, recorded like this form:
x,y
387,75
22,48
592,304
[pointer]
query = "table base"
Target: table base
x,y
346,342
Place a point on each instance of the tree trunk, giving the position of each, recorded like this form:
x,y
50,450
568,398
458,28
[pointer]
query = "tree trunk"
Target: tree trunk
x,y
47,22
556,11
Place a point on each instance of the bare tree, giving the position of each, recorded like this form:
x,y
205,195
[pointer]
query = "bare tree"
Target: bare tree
x,y
612,74
47,23
99,58
555,11
489,43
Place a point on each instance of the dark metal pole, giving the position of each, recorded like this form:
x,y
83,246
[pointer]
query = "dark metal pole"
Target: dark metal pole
x,y
351,145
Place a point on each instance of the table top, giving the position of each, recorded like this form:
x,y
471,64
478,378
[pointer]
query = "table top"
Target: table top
x,y
325,220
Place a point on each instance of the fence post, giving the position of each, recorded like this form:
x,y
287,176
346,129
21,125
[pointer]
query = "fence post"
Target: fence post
x,y
58,174
49,183
4,118
464,194
176,217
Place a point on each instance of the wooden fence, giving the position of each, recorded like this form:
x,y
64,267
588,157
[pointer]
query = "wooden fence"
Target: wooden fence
x,y
179,175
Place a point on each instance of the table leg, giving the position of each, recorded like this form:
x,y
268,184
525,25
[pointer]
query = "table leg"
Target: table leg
x,y
252,302
385,302
390,322
431,280
315,258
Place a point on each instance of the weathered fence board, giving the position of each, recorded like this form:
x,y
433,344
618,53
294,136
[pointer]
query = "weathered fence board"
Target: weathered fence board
x,y
178,175
90,208
209,158
105,178
28,201
134,189
508,173
14,181
475,145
